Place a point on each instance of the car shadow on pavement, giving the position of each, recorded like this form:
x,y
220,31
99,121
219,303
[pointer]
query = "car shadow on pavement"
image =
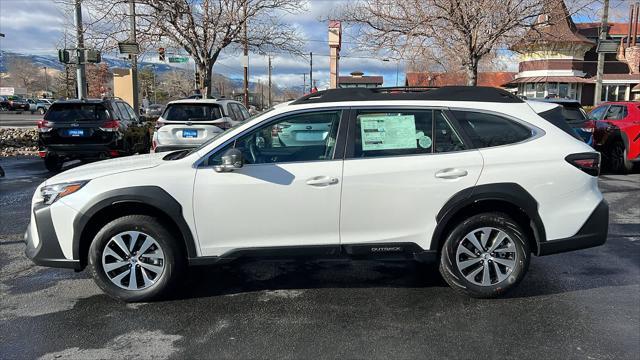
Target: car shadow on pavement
x,y
244,276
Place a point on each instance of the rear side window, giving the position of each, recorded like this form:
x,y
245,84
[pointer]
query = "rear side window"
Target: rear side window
x,y
403,132
616,112
486,130
598,113
123,111
192,112
77,112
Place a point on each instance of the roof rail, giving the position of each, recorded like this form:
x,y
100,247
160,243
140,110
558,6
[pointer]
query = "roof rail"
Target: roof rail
x,y
446,93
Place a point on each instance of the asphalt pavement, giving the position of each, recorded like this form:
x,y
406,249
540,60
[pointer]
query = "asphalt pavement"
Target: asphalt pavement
x,y
13,119
579,305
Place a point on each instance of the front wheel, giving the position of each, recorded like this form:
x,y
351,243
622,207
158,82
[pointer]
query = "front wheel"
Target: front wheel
x,y
135,258
485,255
41,111
53,163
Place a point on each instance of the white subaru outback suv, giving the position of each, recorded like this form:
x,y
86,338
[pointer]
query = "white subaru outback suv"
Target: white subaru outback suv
x,y
473,178
187,123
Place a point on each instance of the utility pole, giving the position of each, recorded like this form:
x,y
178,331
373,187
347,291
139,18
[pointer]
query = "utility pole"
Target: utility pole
x,y
134,57
270,103
304,83
603,36
46,81
81,74
310,71
246,59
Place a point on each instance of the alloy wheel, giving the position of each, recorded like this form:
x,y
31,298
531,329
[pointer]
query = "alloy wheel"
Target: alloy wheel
x,y
486,256
133,260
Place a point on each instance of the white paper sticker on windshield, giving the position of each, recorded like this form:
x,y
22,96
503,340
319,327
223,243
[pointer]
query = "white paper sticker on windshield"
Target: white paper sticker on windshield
x,y
388,132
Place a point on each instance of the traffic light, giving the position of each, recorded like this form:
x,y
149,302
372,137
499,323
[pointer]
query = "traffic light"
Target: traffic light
x,y
92,56
63,56
161,54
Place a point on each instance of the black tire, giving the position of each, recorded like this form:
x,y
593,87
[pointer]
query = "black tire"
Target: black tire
x,y
174,258
617,158
454,276
53,163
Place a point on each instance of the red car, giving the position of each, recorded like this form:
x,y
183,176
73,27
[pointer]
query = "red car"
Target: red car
x,y
616,134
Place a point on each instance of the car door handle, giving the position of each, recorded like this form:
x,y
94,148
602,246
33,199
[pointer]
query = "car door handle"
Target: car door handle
x,y
322,181
451,173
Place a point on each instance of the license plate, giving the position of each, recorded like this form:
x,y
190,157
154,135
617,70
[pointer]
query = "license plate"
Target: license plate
x,y
189,133
75,132
311,136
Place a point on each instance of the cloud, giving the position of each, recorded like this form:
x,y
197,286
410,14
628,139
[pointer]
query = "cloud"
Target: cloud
x,y
30,26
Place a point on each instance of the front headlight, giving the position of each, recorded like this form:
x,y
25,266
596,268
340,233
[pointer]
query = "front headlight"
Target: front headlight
x,y
51,193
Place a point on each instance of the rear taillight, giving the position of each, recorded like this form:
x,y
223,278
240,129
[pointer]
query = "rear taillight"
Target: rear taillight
x,y
589,126
42,154
587,162
159,124
44,126
111,125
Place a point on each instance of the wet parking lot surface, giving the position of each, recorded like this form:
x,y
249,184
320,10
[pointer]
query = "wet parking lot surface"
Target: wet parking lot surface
x,y
579,305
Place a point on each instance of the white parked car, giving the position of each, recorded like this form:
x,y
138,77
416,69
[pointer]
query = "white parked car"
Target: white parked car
x,y
472,178
185,124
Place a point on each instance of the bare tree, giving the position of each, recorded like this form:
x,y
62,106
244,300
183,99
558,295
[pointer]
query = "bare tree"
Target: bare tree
x,y
462,32
201,28
175,84
23,73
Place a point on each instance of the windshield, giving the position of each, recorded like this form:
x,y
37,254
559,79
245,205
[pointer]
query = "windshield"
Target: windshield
x,y
192,112
77,112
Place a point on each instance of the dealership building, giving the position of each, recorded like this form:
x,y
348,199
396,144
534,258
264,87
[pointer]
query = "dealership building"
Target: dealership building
x,y
558,59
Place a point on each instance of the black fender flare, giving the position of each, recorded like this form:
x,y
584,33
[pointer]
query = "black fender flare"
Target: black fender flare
x,y
153,196
507,192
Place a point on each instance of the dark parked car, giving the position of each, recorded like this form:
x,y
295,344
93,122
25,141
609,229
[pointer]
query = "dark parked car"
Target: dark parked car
x,y
90,130
575,117
13,103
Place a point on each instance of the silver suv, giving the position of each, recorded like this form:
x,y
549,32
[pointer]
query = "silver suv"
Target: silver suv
x,y
188,123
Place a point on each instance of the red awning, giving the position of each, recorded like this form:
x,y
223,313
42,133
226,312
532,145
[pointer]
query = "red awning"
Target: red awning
x,y
550,79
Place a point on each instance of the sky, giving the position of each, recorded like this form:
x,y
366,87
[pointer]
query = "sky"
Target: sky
x,y
36,26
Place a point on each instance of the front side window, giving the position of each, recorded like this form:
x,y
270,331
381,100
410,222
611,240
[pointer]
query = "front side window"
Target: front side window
x,y
598,113
486,130
295,138
403,132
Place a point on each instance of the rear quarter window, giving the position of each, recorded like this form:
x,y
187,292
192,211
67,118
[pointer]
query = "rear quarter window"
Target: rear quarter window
x,y
487,130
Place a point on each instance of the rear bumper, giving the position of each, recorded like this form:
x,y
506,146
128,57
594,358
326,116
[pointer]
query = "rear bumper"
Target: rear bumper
x,y
48,251
592,233
84,151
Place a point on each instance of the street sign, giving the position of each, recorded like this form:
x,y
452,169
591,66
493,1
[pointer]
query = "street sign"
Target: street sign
x,y
178,59
607,46
128,48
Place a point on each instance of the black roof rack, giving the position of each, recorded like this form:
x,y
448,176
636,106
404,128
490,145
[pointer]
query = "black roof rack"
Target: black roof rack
x,y
446,93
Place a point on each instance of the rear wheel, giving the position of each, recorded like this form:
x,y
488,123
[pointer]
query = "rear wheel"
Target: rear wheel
x,y
617,157
53,163
485,255
135,258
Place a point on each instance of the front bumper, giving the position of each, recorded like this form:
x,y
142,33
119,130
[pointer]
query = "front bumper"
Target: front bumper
x,y
47,252
592,233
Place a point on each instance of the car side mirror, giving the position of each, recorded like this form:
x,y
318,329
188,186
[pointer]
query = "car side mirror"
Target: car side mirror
x,y
231,160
